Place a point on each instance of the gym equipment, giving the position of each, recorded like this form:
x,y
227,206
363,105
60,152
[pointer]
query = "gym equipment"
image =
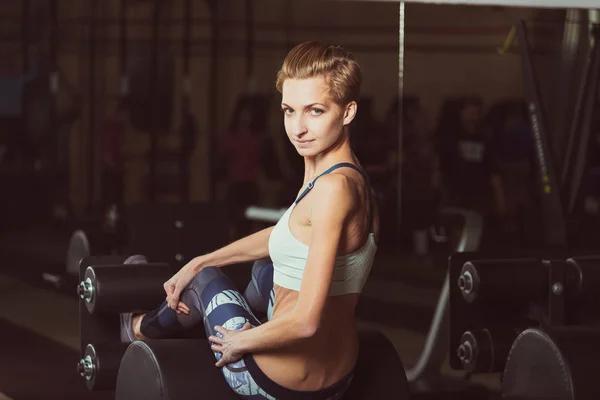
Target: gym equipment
x,y
184,369
103,294
115,289
493,300
557,363
425,378
502,282
485,350
517,294
264,214
99,365
554,230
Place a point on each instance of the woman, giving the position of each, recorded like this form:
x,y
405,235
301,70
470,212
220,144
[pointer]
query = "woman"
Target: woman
x,y
322,251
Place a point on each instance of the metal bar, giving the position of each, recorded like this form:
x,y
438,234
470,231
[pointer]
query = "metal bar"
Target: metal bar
x,y
554,232
586,125
437,342
92,113
401,53
236,47
566,93
587,4
359,30
575,123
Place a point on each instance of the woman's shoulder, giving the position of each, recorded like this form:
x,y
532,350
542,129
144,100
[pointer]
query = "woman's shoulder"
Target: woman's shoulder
x,y
337,189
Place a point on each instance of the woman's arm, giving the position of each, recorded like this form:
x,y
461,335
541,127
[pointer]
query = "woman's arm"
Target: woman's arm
x,y
250,248
332,201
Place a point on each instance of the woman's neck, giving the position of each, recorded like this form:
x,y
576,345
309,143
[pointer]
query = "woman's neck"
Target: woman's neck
x,y
314,166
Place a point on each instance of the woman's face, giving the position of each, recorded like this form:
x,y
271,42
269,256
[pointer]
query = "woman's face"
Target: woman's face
x,y
313,121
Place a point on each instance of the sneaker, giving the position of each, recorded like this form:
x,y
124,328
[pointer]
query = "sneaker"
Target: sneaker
x,y
127,335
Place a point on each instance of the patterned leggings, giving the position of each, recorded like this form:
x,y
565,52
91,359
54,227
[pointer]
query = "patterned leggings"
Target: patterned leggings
x,y
213,300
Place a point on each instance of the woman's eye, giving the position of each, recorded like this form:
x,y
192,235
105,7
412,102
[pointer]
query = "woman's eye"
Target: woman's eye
x,y
288,111
316,111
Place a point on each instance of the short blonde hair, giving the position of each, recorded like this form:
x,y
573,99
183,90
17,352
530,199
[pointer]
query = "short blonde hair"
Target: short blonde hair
x,y
312,59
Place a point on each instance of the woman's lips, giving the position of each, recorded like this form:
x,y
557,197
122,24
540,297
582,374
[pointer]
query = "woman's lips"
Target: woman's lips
x,y
303,143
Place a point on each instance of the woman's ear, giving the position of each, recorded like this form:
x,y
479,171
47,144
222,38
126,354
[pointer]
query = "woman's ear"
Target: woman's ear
x,y
350,112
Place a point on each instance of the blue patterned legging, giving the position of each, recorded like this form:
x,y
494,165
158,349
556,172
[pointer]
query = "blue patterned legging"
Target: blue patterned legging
x,y
213,300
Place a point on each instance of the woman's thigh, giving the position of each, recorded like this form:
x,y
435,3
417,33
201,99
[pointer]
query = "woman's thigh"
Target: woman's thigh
x,y
220,303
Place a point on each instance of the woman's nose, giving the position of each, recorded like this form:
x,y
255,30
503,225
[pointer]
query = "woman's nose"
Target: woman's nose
x,y
298,126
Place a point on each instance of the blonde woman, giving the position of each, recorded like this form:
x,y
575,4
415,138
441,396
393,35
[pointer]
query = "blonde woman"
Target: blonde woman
x,y
315,260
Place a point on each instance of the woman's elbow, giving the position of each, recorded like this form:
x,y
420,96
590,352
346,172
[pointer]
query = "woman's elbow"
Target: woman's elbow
x,y
307,327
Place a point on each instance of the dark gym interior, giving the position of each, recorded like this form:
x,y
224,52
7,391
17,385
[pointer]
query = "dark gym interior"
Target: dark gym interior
x,y
125,128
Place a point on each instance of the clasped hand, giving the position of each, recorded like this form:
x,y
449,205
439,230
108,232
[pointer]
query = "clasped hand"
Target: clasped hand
x,y
226,343
174,286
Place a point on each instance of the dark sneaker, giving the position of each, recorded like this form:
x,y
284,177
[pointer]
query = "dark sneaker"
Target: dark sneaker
x,y
127,335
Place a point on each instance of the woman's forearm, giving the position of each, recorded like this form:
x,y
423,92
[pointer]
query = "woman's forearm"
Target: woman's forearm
x,y
250,248
274,334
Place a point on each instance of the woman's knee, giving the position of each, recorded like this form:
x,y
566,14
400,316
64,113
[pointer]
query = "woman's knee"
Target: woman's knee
x,y
205,277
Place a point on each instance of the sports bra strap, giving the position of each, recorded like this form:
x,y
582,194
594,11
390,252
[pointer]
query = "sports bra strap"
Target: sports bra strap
x,y
333,168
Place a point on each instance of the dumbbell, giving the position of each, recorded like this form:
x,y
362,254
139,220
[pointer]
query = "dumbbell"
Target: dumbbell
x,y
109,286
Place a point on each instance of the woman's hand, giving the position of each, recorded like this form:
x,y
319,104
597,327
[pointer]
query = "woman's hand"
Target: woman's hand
x,y
174,286
226,344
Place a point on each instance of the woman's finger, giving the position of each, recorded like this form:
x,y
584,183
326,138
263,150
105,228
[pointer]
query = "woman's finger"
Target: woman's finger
x,y
220,363
182,311
175,298
216,347
221,330
216,339
183,307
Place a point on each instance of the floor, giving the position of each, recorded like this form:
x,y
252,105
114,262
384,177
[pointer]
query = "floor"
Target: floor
x,y
39,331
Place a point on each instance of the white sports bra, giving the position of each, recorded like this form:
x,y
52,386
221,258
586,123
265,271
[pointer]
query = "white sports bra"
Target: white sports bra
x,y
289,255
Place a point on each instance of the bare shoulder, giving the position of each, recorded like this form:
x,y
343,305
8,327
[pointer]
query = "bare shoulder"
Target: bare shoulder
x,y
335,194
339,186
